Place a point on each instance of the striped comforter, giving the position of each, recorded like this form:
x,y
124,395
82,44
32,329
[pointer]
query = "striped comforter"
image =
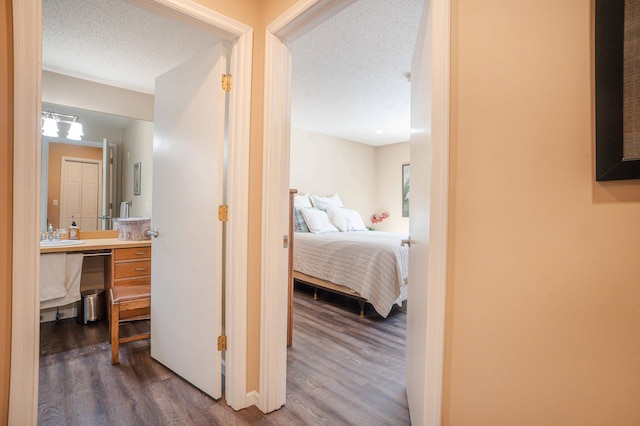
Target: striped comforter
x,y
373,263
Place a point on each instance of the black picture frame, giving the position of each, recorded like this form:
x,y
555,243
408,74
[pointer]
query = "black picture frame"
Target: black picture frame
x,y
609,100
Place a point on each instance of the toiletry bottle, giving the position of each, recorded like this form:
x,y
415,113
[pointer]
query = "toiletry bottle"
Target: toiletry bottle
x,y
50,232
73,231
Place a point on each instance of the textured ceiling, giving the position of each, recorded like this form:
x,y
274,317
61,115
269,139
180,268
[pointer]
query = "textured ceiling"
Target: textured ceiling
x,y
348,72
116,42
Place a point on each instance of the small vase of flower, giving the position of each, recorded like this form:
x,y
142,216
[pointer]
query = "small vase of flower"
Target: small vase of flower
x,y
378,218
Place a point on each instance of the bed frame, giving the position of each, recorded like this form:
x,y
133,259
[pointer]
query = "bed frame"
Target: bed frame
x,y
317,283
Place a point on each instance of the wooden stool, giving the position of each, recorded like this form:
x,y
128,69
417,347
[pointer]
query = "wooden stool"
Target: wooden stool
x,y
123,300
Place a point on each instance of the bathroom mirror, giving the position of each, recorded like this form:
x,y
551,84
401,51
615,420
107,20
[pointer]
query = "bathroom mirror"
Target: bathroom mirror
x,y
87,180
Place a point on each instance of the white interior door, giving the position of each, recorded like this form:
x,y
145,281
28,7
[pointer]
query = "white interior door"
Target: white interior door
x,y
416,362
188,160
106,178
428,223
80,193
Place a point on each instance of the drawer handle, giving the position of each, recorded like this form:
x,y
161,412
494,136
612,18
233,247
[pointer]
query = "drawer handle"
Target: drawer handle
x,y
140,253
140,269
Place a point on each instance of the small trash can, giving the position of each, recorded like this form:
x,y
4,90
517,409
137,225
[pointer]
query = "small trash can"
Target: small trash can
x,y
91,306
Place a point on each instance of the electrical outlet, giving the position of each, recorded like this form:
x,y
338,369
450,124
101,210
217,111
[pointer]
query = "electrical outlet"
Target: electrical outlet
x,y
55,202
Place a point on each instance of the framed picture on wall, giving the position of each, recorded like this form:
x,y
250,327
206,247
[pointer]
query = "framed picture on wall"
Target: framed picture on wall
x,y
136,178
405,190
617,86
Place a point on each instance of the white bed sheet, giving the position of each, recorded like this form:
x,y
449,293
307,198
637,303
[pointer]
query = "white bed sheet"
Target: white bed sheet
x,y
373,263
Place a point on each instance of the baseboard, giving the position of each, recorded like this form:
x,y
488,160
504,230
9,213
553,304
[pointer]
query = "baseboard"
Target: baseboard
x,y
253,398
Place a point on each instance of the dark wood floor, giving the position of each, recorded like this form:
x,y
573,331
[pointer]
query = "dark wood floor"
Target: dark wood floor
x,y
341,370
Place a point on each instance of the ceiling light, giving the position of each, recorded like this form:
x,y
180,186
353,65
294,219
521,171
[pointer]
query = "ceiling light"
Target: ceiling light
x,y
50,127
378,132
75,131
50,122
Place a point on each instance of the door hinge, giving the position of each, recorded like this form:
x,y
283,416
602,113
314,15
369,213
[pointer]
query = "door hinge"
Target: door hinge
x,y
222,342
110,160
226,82
223,213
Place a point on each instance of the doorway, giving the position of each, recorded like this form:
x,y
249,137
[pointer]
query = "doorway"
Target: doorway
x,y
80,184
351,136
275,194
27,33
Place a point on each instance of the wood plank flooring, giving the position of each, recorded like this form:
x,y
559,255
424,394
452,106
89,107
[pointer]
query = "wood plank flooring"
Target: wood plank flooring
x,y
341,370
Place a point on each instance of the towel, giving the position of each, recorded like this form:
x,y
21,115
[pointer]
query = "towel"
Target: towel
x,y
53,269
73,273
124,209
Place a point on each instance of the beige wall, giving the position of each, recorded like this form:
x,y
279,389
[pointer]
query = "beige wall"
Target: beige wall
x,y
137,146
6,204
543,301
56,152
324,165
389,161
368,178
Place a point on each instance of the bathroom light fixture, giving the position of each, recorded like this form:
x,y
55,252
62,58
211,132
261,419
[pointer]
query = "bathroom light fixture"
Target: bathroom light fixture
x,y
75,131
50,122
49,125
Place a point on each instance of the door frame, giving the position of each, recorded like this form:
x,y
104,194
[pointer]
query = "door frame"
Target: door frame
x,y
27,50
299,19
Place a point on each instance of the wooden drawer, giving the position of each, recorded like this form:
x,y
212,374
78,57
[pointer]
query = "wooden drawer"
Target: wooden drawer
x,y
132,269
146,280
132,253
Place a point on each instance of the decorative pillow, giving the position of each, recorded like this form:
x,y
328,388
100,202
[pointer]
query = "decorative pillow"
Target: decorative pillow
x,y
323,203
317,221
346,220
301,201
298,220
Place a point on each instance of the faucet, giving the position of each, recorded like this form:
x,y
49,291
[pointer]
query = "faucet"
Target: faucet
x,y
50,233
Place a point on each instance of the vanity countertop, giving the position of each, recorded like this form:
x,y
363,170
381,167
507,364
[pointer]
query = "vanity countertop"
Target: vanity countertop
x,y
96,244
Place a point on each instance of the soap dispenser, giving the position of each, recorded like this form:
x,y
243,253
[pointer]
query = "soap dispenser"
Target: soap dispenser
x,y
73,231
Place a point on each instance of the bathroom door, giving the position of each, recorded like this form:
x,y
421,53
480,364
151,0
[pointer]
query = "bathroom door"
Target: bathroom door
x,y
188,164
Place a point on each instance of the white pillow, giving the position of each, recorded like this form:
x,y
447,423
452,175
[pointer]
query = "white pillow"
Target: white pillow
x,y
346,220
323,203
317,221
301,201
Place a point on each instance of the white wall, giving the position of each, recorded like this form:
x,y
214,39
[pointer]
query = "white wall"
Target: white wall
x,y
368,178
389,161
324,165
137,144
64,90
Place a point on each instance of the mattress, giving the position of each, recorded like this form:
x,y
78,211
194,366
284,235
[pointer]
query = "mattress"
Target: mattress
x,y
372,263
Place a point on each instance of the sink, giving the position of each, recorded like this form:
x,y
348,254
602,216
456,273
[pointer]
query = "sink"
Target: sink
x,y
61,243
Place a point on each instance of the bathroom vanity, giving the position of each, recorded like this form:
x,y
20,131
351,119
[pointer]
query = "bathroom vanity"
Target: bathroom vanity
x,y
125,262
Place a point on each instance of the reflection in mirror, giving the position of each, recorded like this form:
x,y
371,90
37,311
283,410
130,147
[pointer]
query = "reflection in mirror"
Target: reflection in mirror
x,y
90,181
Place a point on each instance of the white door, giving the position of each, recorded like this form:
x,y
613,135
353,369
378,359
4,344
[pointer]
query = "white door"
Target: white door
x,y
186,276
420,184
106,179
80,192
428,223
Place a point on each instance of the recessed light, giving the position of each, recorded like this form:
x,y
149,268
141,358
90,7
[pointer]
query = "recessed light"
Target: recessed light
x,y
378,132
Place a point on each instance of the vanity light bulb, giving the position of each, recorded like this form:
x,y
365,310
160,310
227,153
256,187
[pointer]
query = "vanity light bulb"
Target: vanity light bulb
x,y
75,131
50,127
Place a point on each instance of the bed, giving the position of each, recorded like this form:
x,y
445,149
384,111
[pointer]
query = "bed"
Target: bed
x,y
370,266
